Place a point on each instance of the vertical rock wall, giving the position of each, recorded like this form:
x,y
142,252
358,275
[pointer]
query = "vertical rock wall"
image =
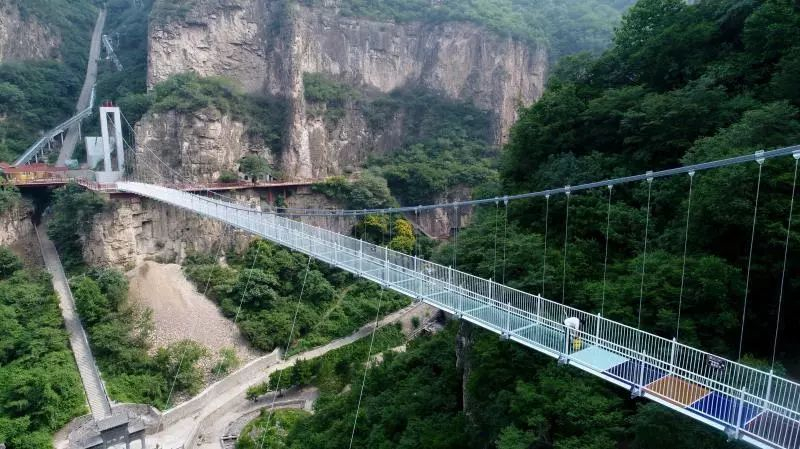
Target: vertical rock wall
x,y
268,48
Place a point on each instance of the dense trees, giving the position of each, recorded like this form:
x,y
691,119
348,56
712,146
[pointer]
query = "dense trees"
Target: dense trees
x,y
40,389
36,95
262,285
73,208
682,84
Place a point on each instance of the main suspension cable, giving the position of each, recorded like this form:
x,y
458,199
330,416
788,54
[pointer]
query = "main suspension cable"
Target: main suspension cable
x,y
244,293
369,354
785,257
225,228
750,255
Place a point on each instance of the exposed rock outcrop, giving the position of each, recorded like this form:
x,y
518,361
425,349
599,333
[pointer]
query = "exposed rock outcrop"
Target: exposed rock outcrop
x,y
198,146
18,233
268,48
24,38
134,229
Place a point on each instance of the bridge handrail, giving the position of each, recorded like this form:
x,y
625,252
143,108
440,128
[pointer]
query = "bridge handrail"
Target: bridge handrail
x,y
761,389
53,132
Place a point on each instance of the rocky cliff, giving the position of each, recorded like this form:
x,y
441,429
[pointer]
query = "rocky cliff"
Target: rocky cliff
x,y
198,146
23,38
268,48
17,232
135,229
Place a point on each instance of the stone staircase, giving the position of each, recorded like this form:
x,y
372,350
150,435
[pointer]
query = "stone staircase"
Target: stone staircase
x,y
92,383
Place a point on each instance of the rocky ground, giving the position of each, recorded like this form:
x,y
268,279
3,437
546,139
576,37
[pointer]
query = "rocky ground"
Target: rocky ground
x,y
181,312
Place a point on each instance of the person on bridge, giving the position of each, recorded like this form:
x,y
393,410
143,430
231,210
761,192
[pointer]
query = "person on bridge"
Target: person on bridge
x,y
573,326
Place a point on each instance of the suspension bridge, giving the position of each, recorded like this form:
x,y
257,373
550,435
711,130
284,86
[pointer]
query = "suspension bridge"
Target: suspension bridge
x,y
749,404
753,405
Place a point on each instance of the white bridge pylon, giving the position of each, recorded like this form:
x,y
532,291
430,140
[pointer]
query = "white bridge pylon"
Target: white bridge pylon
x,y
749,404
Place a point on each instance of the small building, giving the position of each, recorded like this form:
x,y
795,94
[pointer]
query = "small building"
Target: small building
x,y
31,172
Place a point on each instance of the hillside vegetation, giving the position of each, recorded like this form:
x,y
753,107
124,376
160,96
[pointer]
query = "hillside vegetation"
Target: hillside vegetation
x,y
40,389
261,288
36,95
681,84
566,27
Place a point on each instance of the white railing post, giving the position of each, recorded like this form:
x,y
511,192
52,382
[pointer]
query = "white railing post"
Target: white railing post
x,y
361,257
508,314
538,308
640,388
739,413
386,262
672,356
769,388
597,330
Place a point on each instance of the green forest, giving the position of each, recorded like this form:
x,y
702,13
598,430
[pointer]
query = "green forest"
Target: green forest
x,y
681,84
36,95
565,27
260,288
40,389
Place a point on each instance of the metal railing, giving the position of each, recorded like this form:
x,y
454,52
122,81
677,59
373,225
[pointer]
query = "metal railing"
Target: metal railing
x,y
51,134
756,406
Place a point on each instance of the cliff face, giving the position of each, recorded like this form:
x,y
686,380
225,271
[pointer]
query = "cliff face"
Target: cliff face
x,y
17,232
199,146
24,38
136,229
268,49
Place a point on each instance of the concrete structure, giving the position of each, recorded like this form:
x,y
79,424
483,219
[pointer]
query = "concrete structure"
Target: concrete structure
x,y
112,145
94,151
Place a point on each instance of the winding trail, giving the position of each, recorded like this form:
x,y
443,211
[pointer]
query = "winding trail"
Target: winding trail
x,y
86,92
225,401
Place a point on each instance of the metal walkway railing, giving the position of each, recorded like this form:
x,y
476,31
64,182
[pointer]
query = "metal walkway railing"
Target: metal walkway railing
x,y
753,405
34,149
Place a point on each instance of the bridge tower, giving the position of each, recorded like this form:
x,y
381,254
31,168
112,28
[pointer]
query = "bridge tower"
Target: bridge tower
x,y
112,145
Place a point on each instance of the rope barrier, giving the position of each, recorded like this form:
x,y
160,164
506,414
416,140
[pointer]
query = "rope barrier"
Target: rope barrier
x,y
544,250
505,240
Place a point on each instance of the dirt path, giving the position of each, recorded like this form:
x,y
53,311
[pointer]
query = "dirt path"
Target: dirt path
x,y
181,312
